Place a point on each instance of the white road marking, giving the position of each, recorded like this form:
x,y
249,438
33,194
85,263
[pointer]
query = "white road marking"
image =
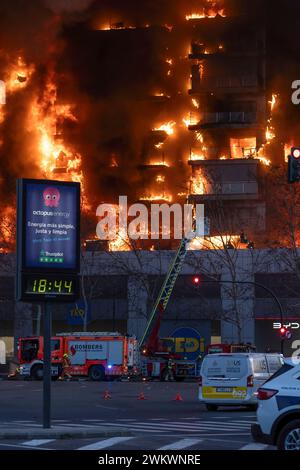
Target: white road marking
x,y
254,446
19,446
182,444
105,444
19,421
151,427
72,425
37,442
177,424
208,423
158,419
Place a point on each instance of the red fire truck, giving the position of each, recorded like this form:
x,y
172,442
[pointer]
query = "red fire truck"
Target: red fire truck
x,y
97,355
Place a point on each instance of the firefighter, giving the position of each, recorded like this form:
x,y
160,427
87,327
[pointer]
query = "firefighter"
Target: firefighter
x,y
169,376
66,364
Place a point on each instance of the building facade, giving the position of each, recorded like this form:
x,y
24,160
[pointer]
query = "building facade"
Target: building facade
x,y
228,305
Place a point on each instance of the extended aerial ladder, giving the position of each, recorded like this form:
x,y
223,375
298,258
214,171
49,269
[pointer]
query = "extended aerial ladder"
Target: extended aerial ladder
x,y
149,341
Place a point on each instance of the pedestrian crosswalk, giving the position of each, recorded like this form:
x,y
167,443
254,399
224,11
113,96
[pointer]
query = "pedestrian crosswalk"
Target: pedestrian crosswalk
x,y
105,444
156,426
133,443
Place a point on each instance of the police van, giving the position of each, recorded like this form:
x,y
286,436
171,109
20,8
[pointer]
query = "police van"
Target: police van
x,y
233,379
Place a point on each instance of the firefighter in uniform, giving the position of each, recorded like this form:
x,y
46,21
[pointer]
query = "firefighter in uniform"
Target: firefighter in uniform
x,y
170,372
66,363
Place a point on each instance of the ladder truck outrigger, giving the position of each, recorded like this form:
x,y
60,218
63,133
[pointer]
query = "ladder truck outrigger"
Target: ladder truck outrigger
x,y
155,358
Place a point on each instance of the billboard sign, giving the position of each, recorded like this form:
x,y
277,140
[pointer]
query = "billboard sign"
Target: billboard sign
x,y
48,239
186,342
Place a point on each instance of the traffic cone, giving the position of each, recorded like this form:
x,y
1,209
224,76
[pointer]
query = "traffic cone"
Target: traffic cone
x,y
178,397
106,395
141,396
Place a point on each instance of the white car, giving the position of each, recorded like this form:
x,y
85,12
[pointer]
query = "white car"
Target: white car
x,y
278,412
232,379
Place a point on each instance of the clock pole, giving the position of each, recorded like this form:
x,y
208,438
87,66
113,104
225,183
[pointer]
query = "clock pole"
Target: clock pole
x,y
47,366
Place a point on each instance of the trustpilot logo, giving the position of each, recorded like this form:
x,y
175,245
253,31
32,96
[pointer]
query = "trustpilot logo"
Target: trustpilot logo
x,y
166,221
2,92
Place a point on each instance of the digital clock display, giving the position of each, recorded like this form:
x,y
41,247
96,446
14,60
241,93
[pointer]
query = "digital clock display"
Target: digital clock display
x,y
42,286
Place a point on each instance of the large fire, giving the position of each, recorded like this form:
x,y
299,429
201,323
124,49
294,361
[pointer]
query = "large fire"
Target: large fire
x,y
18,75
210,14
46,116
197,156
157,197
57,157
120,243
159,163
167,127
198,183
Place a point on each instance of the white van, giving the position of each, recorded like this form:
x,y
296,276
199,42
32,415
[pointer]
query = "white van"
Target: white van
x,y
233,379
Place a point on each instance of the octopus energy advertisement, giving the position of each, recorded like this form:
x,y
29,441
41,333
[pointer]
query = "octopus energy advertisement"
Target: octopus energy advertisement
x,y
48,240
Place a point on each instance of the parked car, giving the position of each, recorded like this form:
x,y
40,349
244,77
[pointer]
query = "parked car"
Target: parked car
x,y
233,379
278,413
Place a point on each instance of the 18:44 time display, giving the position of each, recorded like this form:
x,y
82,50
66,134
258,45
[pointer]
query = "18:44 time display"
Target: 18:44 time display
x,y
39,286
59,286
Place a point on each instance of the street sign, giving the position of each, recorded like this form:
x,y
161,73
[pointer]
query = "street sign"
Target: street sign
x,y
48,240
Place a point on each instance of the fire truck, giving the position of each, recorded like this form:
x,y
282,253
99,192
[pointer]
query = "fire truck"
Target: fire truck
x,y
96,355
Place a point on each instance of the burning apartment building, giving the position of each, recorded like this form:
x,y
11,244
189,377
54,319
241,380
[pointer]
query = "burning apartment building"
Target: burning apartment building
x,y
158,101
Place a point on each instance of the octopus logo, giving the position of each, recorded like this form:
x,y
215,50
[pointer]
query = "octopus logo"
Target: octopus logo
x,y
51,197
72,350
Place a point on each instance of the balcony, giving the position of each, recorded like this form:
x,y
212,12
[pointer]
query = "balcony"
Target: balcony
x,y
235,49
240,187
233,119
233,84
233,179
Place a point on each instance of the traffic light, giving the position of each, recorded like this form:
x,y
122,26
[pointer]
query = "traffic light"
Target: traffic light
x,y
196,280
282,332
294,165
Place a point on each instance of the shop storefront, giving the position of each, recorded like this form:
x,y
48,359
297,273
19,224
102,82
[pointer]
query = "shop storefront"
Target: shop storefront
x,y
267,335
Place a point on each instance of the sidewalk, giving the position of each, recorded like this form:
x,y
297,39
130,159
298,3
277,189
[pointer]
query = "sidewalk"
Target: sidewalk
x,y
61,432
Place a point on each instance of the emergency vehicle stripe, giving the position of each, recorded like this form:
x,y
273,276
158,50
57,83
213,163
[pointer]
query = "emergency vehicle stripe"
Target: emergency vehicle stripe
x,y
254,446
182,444
37,442
105,444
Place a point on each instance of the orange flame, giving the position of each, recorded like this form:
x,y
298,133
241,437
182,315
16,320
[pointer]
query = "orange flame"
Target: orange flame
x,y
54,156
158,197
161,163
167,127
197,156
18,75
160,179
273,101
120,243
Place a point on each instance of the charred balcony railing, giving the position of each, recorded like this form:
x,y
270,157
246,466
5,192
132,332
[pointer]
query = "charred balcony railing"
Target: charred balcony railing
x,y
221,83
229,117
